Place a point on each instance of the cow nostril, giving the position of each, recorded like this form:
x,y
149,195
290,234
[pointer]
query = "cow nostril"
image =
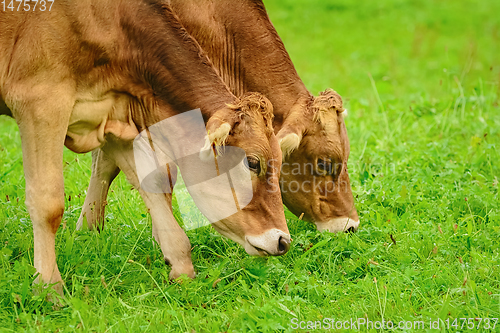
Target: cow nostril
x,y
351,230
283,245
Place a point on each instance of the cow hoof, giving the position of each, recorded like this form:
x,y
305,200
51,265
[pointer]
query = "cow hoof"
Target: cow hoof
x,y
55,295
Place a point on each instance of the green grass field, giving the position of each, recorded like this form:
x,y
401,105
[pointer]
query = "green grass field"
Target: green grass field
x,y
421,80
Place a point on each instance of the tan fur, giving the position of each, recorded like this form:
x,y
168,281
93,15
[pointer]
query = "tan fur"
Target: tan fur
x,y
344,114
251,105
255,103
219,136
327,101
289,143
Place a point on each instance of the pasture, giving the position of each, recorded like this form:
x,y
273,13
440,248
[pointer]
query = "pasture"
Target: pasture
x,y
421,81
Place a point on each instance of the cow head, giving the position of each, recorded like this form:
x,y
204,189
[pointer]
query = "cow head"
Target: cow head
x,y
314,179
260,227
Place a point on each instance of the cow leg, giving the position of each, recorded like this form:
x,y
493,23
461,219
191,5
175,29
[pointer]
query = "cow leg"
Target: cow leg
x,y
104,171
173,241
43,124
167,232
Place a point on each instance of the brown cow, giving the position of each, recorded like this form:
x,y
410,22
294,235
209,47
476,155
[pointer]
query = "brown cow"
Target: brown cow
x,y
95,73
246,50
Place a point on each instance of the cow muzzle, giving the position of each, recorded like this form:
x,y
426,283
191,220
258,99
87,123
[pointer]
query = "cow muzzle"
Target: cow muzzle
x,y
272,243
338,224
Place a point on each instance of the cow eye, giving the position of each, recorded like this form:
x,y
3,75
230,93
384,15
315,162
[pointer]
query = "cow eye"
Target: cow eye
x,y
253,164
325,166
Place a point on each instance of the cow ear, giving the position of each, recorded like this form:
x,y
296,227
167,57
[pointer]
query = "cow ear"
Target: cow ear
x,y
294,126
220,125
218,128
289,141
342,115
217,134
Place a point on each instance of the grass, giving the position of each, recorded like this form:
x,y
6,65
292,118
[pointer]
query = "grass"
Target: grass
x,y
421,80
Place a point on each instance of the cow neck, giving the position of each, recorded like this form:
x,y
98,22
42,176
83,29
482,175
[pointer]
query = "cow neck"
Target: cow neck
x,y
170,67
245,48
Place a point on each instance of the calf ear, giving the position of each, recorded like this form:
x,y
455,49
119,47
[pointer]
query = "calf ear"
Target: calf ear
x,y
219,126
294,126
288,142
219,135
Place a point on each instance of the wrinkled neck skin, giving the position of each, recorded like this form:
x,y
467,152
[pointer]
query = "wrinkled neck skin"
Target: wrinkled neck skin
x,y
224,29
180,76
141,54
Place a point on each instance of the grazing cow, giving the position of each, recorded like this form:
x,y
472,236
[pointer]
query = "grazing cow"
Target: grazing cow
x,y
248,54
96,73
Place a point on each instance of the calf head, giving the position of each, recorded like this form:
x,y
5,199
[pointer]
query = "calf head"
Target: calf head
x,y
260,226
314,179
